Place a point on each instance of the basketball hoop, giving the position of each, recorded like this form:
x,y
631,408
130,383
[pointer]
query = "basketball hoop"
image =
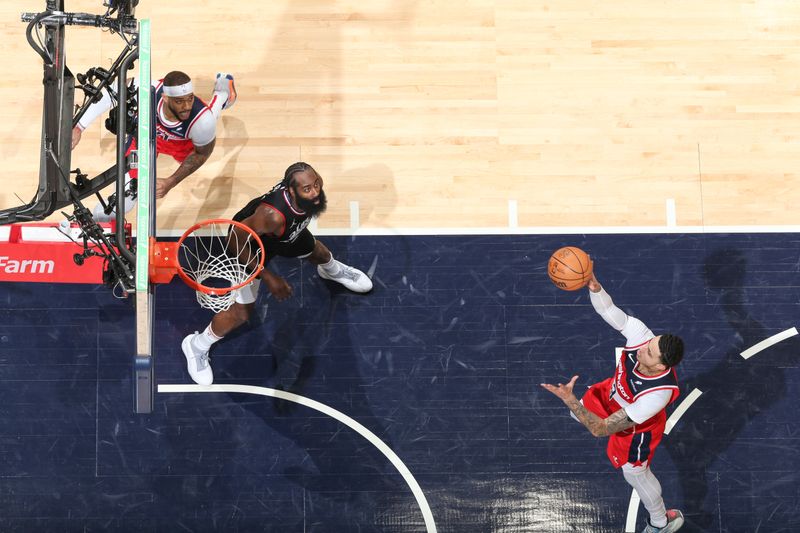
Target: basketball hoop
x,y
214,257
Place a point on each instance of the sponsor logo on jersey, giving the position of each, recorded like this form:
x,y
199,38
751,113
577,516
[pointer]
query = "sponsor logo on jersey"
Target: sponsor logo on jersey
x,y
619,385
296,229
168,135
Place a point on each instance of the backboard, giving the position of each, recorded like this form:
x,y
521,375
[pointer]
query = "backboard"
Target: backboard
x,y
145,229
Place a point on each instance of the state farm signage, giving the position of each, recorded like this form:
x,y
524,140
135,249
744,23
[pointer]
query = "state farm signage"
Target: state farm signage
x,y
43,252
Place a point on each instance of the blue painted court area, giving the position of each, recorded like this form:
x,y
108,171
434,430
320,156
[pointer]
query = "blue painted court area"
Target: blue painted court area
x,y
441,363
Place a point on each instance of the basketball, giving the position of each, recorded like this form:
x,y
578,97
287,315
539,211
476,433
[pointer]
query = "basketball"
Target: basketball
x,y
569,268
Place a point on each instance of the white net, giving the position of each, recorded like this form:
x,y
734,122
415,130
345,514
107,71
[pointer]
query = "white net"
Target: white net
x,y
219,256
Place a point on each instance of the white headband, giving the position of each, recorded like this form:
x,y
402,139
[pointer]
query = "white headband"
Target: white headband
x,y
179,90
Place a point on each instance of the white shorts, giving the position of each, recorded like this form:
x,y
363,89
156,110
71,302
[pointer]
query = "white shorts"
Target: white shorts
x,y
248,294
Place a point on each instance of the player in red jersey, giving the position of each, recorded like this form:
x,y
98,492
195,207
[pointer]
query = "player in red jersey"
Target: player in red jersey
x,y
630,407
185,128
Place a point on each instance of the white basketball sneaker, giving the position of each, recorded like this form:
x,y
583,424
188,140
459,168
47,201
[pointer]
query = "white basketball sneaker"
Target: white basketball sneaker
x,y
197,364
224,84
674,523
350,277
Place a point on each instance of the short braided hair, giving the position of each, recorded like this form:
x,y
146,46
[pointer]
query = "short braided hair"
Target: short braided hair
x,y
293,169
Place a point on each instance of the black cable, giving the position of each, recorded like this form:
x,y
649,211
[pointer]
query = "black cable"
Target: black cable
x,y
39,50
95,234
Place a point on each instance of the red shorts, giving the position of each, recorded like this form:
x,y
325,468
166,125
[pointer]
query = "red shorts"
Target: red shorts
x,y
635,445
179,150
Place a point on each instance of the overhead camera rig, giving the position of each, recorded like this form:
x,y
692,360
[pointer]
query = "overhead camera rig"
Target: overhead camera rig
x,y
46,35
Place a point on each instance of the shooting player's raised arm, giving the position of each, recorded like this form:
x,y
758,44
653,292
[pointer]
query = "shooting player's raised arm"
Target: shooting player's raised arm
x,y
634,330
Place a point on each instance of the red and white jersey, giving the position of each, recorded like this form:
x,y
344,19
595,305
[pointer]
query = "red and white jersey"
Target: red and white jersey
x,y
198,130
642,397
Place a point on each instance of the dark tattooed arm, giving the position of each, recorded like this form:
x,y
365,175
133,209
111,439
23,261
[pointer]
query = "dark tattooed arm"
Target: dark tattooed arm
x,y
599,427
192,162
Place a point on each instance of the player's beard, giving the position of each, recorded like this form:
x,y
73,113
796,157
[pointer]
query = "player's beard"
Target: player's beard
x,y
312,209
177,114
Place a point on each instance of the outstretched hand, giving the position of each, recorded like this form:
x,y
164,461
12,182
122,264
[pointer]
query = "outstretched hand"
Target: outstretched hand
x,y
163,186
562,391
278,286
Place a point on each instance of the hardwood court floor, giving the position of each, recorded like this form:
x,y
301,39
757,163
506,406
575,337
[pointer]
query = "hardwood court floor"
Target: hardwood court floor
x,y
441,363
438,113
433,114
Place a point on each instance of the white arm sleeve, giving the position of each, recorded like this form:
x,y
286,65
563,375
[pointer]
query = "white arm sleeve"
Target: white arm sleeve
x,y
204,129
98,108
648,405
632,328
95,110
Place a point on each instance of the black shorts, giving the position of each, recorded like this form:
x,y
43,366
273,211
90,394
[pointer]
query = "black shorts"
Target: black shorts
x,y
301,247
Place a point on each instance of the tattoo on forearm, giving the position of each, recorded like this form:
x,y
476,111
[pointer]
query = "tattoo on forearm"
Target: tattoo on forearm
x,y
192,162
618,422
592,422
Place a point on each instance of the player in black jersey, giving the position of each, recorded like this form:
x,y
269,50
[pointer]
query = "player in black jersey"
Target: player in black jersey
x,y
280,218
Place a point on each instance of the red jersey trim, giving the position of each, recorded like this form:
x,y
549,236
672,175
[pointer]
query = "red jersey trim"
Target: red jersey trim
x,y
200,114
283,228
673,388
161,117
639,374
289,203
638,345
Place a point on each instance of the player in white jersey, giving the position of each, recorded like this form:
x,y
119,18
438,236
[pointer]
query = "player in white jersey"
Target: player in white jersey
x,y
630,407
185,128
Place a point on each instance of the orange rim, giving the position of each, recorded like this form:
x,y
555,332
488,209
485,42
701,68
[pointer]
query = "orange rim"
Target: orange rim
x,y
215,291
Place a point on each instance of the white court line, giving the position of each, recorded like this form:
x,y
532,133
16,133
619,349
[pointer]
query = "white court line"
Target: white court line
x,y
354,221
513,214
531,230
678,412
633,504
766,343
671,219
633,511
427,515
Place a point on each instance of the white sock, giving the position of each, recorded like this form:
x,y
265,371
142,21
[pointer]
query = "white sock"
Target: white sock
x,y
332,267
99,214
218,100
204,341
648,488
